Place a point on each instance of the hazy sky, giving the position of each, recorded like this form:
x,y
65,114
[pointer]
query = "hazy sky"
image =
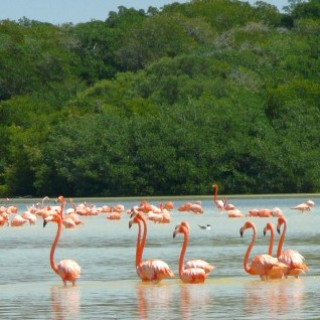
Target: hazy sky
x,y
75,11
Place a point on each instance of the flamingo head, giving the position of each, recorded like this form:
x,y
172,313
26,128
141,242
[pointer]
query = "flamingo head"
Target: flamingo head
x,y
183,227
281,221
55,217
247,225
134,218
269,226
61,199
310,203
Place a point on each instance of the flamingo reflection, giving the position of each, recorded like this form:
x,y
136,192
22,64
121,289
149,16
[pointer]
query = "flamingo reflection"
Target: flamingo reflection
x,y
274,298
65,302
194,296
154,300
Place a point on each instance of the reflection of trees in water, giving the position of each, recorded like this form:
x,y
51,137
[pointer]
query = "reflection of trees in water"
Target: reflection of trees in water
x,y
65,302
274,297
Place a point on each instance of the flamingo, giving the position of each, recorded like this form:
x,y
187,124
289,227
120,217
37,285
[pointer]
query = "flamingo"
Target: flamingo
x,y
169,205
219,203
292,258
277,212
263,265
31,217
235,213
4,219
196,208
222,204
305,206
68,270
114,215
194,271
18,221
150,270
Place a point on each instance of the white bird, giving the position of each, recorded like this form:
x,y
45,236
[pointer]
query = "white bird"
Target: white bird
x,y
207,227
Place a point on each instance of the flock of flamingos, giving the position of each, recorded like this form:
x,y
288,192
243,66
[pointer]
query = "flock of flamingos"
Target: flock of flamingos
x,y
286,263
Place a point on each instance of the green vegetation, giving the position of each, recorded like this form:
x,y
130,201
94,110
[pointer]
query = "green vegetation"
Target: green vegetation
x,y
163,102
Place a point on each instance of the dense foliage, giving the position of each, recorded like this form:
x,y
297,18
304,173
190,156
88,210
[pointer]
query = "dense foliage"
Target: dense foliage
x,y
163,102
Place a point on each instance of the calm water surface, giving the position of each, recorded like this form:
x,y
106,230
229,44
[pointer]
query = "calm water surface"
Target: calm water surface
x,y
109,287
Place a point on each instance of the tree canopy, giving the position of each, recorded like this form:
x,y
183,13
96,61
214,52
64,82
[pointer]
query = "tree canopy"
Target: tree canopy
x,y
163,102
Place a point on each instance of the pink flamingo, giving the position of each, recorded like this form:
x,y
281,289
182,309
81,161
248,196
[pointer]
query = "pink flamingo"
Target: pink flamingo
x,y
219,203
169,205
196,207
235,213
194,271
222,204
114,215
305,206
292,258
18,221
263,265
4,219
277,212
31,217
185,207
68,270
150,270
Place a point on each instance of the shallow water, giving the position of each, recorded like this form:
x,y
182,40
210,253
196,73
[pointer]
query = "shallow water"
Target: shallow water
x,y
109,287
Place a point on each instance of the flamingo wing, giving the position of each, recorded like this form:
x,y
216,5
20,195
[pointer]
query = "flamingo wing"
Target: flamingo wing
x,y
267,266
69,270
193,275
293,259
155,270
199,264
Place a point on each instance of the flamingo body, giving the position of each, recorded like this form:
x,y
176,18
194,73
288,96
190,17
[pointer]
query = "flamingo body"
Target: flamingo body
x,y
235,213
193,275
199,264
154,270
295,261
69,270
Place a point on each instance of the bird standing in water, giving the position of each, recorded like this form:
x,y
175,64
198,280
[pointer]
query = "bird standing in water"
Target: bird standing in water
x,y
69,270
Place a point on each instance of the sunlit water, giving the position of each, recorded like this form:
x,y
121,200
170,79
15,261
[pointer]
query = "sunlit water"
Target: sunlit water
x,y
109,287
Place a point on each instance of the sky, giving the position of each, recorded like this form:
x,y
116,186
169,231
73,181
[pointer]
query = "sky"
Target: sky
x,y
77,11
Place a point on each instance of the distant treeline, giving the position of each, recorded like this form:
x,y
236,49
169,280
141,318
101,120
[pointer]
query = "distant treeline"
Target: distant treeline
x,y
163,102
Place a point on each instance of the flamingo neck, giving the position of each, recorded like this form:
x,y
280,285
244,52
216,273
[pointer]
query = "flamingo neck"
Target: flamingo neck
x,y
140,249
183,252
281,241
138,253
62,206
246,265
53,248
215,195
271,244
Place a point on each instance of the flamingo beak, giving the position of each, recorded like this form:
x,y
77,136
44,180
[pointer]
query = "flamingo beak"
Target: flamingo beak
x,y
130,224
44,223
241,232
264,231
278,229
175,231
